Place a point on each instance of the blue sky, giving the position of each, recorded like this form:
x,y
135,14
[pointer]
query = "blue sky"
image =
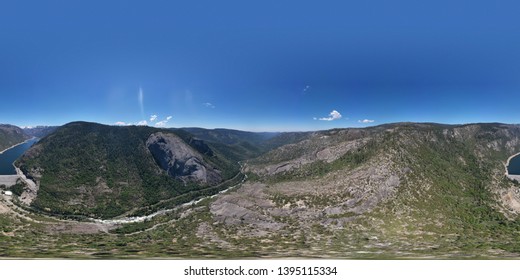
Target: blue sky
x,y
259,65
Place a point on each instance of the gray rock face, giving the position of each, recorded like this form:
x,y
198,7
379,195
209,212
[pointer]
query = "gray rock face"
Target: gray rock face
x,y
180,160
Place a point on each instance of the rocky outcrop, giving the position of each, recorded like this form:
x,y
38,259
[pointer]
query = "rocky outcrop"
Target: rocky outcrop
x,y
180,160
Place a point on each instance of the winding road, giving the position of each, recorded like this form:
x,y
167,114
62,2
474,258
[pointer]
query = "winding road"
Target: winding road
x,y
108,223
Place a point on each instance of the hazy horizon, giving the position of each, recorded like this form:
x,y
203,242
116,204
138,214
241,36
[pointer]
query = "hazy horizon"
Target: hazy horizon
x,y
269,131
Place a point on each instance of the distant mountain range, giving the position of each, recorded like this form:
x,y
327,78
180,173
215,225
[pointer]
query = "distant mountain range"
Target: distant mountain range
x,y
39,131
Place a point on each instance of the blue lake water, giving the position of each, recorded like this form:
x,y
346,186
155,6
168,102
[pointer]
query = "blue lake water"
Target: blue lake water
x,y
514,166
9,156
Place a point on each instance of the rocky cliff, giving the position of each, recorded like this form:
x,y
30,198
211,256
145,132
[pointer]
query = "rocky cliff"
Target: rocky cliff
x,y
180,160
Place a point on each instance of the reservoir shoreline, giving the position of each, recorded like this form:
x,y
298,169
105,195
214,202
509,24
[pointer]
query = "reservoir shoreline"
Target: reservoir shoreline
x,y
511,176
1,152
10,155
10,180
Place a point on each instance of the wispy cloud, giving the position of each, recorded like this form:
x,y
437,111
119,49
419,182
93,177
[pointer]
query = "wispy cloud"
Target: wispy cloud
x,y
306,88
169,118
153,118
366,121
143,122
208,105
334,115
140,99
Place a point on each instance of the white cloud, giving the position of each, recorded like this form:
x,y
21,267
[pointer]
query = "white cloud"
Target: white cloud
x,y
153,118
366,121
208,105
306,88
163,122
143,122
120,123
334,115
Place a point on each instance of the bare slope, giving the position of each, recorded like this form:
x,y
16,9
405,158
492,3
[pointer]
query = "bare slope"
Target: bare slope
x,y
386,189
